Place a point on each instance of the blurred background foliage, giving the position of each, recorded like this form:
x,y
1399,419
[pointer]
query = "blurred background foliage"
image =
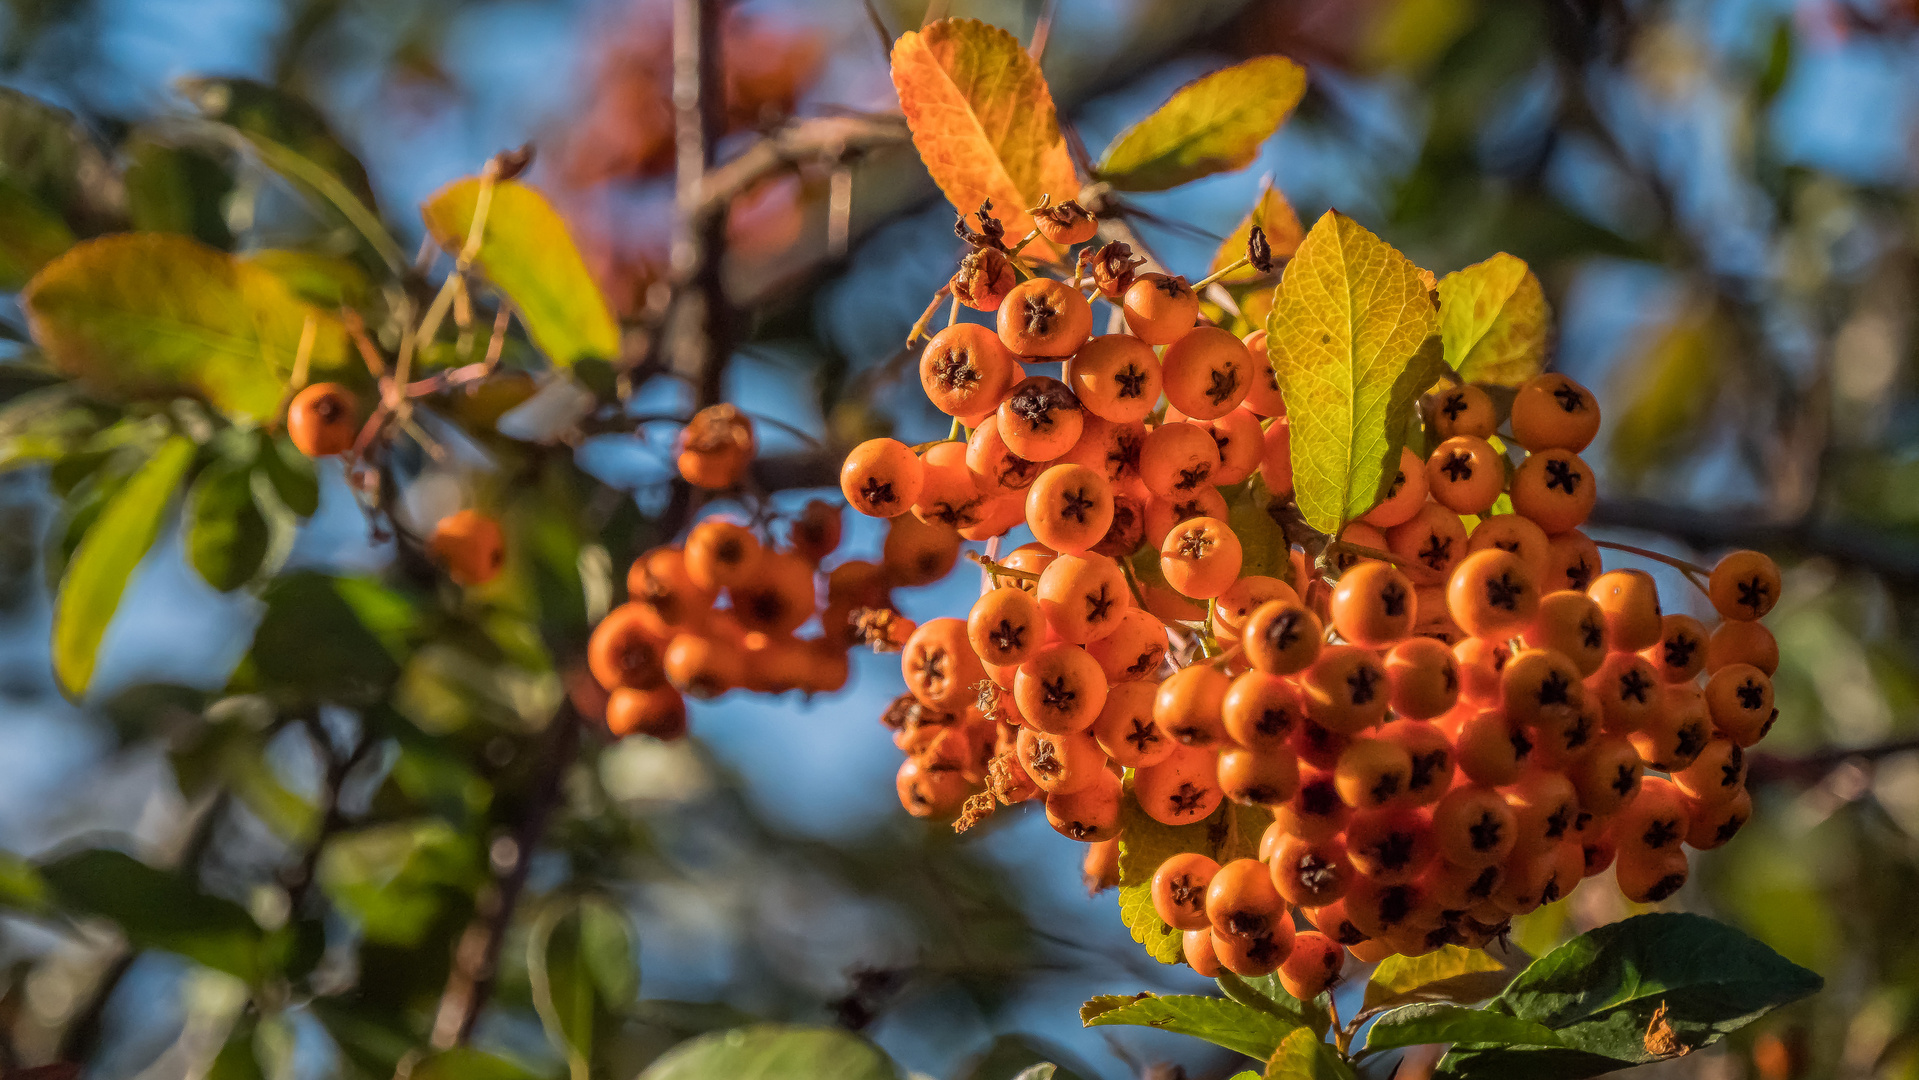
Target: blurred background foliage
x,y
1721,198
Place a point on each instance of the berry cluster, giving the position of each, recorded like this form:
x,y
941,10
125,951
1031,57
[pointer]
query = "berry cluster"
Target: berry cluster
x,y
1451,723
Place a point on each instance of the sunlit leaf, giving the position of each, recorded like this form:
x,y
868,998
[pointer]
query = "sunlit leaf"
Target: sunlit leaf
x,y
226,532
1346,328
1275,216
1305,1056
98,572
395,880
1494,321
1213,124
31,236
1441,1022
529,254
1221,1021
1267,994
153,313
1231,832
1667,390
326,281
157,910
1450,973
982,119
774,1052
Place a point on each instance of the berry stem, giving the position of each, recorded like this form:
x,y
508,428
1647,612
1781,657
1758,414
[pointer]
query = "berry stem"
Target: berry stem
x,y
919,327
1021,246
1236,264
1224,657
956,432
1345,547
1139,596
999,570
1684,567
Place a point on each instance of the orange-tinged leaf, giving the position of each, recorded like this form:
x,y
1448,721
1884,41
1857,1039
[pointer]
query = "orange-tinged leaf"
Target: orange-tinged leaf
x,y
1493,317
1283,233
1213,124
1344,336
982,119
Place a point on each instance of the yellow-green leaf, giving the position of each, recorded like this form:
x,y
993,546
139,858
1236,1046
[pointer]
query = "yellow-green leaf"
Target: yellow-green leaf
x,y
31,236
1231,832
982,119
1669,386
1451,973
1494,320
156,314
1212,124
528,253
1303,1055
1218,1020
1347,323
1283,233
98,572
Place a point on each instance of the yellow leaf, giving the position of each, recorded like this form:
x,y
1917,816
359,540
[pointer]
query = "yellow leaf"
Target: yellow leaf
x,y
1451,973
1668,390
982,119
1348,321
1213,124
1493,318
1283,232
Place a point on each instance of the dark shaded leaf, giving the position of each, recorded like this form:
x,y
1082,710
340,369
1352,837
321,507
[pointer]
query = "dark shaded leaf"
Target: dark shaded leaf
x,y
226,532
267,112
1439,1022
465,1063
157,910
338,638
1267,995
51,156
179,189
292,474
31,236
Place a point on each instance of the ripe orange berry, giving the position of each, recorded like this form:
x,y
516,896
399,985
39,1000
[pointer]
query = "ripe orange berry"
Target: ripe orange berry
x,y
1630,599
994,463
720,554
1180,790
1454,888
1065,223
1680,654
1317,745
715,447
659,582
1281,637
1196,946
320,420
1257,956
1544,805
1060,690
950,493
1313,966
1555,489
1043,317
1005,626
882,478
1572,625
1116,376
1263,395
1134,649
1089,815
1190,703
1070,507
940,667
1205,372
1310,873
1464,409
1040,419
815,533
1465,474
1083,597
1433,537
1482,662
1345,689
1373,605
1390,846
1519,535
1260,711
1674,736
1128,530
1240,442
983,279
1474,826
1744,585
965,370
1431,754
1492,593
700,666
779,597
1200,557
1112,450
997,514
1608,777
625,650
1179,890
1178,459
1258,777
659,712
470,545
1562,733
1125,729
1159,310
1031,557
1060,763
1404,495
1628,691
927,792
1163,514
1372,773
1553,412
1654,821
1538,681
1233,607
1315,812
918,552
1241,900
1734,642
1648,877
1716,775
1276,459
1740,699
1712,824
1334,921
1573,562
1491,749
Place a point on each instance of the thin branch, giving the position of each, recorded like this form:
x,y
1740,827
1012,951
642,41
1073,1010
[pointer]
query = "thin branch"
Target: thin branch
x,y
1850,544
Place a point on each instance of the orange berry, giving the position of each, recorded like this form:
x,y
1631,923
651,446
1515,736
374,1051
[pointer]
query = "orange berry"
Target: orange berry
x,y
1128,530
625,650
1491,749
1734,642
1716,775
1060,764
659,582
1433,537
965,370
1744,585
1564,733
1263,396
1654,821
984,277
659,712
994,463
1373,605
1070,507
815,533
1674,735
1083,596
1607,777
918,552
1680,654
1189,705
1179,890
1572,625
700,666
1241,900
1040,419
1178,459
1510,532
1555,489
1089,815
1390,846
1065,223
1258,777
1043,317
1710,825
1372,773
927,792
1552,412
715,447
1740,699
1031,557
1313,966
998,515
1316,744
470,545
1423,676
1334,921
1544,805
1005,626
1315,812
1200,557
1492,593
1196,946
1630,599
1260,711
1464,409
1205,372
1112,450
779,597
321,420
1572,562
1648,877
1404,495
1482,663
940,667
1281,637
1456,888
1060,690
1163,514
1233,607
1465,474
1474,826
1536,682
1240,442
1115,376
950,493
1180,790
1134,649
882,478
1125,729
1159,310
1628,691
1345,689
1311,873
1256,956
1276,458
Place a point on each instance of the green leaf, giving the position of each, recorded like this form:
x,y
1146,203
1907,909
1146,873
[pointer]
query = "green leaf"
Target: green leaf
x,y
97,574
527,252
1212,124
1524,1063
1262,541
465,1063
292,474
1451,973
50,155
1440,1022
341,639
1494,321
22,888
1599,991
226,532
237,1059
31,236
579,960
395,880
1305,1056
157,910
1221,1021
774,1052
1266,994
326,281
1145,843
159,314
1045,1070
178,189
1344,336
